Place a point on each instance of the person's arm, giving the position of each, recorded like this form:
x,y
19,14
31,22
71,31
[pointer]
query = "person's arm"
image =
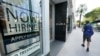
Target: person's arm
x,y
83,27
92,30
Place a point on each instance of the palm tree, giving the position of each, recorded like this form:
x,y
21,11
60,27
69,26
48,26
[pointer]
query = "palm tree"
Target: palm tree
x,y
81,10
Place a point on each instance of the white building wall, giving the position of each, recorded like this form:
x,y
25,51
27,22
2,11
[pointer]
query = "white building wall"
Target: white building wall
x,y
70,11
53,21
70,7
45,18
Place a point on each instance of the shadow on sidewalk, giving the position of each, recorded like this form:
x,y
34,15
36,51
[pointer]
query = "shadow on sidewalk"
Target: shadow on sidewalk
x,y
56,46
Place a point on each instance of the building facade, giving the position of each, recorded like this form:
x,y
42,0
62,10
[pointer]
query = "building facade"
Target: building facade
x,y
27,27
61,18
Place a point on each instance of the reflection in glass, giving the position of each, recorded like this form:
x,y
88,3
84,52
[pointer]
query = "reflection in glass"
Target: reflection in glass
x,y
21,26
20,3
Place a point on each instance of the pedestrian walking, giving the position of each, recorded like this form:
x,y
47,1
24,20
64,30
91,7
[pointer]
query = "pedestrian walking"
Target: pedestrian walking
x,y
87,34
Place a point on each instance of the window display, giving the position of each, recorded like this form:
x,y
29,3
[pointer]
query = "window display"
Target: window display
x,y
21,27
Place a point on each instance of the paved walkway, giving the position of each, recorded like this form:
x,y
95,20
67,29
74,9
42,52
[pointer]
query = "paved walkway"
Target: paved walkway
x,y
73,47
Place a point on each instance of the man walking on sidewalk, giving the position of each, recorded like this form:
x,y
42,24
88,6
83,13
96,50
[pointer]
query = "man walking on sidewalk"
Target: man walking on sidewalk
x,y
87,33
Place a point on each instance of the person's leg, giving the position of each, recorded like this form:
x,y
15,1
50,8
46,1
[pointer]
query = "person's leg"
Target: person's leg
x,y
83,44
88,43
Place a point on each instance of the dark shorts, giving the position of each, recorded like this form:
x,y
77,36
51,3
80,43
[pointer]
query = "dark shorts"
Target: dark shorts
x,y
88,38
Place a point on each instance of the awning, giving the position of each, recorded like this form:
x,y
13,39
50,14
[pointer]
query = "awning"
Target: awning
x,y
96,21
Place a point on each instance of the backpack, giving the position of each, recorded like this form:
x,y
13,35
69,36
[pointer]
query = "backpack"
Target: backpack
x,y
88,30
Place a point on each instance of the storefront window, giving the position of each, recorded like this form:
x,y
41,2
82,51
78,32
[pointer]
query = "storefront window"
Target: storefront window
x,y
21,27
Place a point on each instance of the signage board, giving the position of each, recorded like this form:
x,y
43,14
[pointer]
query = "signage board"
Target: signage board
x,y
20,28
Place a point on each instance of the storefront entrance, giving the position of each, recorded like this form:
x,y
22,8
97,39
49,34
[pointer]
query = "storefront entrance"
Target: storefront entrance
x,y
60,21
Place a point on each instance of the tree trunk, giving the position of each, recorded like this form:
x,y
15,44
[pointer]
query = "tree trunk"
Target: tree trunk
x,y
80,20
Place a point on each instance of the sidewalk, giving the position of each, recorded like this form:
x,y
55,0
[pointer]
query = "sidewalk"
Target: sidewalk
x,y
73,47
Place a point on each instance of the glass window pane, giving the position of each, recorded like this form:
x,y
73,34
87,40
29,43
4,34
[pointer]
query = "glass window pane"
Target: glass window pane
x,y
21,25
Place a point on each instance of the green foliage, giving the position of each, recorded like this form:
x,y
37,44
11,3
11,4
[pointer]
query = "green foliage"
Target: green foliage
x,y
78,21
94,14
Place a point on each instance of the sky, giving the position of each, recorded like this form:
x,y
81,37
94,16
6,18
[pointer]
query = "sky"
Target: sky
x,y
91,4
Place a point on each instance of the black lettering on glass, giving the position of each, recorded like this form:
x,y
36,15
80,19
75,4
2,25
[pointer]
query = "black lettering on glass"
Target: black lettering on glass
x,y
32,27
12,27
29,27
11,13
23,27
24,15
19,27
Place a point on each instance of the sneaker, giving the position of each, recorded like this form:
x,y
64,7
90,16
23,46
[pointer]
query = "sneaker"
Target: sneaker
x,y
87,49
83,45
